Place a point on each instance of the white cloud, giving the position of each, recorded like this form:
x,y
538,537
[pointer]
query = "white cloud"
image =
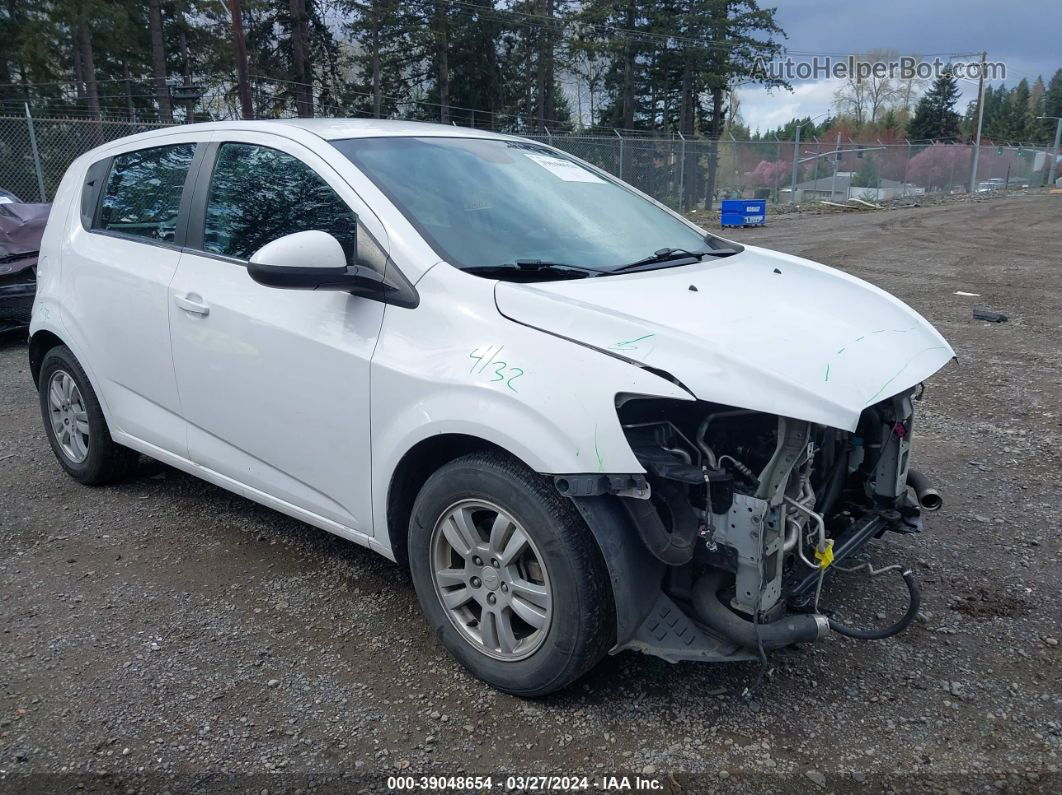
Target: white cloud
x,y
765,109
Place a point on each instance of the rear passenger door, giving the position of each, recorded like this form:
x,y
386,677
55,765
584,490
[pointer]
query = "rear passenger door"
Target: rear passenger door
x,y
274,383
117,266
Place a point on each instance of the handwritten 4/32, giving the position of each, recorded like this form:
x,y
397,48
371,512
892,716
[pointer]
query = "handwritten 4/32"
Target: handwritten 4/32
x,y
485,360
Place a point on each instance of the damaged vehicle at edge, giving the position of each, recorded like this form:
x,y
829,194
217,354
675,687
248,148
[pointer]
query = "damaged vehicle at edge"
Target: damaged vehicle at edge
x,y
584,423
21,227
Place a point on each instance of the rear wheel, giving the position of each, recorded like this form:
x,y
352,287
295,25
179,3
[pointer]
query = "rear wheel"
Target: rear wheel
x,y
74,423
509,576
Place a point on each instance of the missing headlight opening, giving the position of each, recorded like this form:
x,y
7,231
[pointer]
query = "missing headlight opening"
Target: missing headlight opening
x,y
748,512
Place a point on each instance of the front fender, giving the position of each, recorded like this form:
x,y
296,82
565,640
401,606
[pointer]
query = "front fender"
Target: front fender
x,y
454,365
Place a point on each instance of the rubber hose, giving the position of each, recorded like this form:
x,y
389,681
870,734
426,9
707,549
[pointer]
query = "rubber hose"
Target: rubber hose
x,y
834,485
674,548
785,631
895,629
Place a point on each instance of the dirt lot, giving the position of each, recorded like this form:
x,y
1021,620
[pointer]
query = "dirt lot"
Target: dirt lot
x,y
164,631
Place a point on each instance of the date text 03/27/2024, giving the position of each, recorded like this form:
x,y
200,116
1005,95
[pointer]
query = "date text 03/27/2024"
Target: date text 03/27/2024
x,y
522,783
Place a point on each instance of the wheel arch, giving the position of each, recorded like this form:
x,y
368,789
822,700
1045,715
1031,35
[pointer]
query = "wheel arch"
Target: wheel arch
x,y
413,470
635,577
40,343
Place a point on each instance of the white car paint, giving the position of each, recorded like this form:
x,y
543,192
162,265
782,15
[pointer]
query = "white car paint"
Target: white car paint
x,y
306,402
759,330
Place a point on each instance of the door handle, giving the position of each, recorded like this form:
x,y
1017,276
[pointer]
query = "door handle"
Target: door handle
x,y
192,303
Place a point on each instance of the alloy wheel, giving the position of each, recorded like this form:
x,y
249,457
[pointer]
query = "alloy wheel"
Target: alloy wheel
x,y
69,416
491,579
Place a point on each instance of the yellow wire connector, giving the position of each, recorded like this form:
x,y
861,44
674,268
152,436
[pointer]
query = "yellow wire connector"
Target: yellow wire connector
x,y
824,554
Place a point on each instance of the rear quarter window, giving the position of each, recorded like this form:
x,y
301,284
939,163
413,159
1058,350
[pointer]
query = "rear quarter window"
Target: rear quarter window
x,y
142,194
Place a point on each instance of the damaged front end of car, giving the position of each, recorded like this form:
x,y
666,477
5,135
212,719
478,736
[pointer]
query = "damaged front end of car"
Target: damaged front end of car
x,y
740,516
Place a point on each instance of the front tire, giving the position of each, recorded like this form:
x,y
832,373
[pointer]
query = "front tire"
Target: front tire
x,y
509,576
74,422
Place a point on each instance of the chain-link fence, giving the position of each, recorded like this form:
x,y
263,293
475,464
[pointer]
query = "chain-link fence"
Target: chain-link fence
x,y
34,153
679,172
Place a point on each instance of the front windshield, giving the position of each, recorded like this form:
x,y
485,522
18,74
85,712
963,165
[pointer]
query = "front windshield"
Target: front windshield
x,y
483,202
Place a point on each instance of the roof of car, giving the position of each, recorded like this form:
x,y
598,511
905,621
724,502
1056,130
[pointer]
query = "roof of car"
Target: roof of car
x,y
327,129
333,129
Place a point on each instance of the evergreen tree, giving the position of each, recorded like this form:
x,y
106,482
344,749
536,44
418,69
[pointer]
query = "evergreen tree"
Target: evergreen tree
x,y
1051,105
996,123
867,175
935,117
1019,118
379,29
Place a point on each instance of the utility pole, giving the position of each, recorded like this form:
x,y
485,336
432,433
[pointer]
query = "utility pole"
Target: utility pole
x,y
1054,149
796,167
980,119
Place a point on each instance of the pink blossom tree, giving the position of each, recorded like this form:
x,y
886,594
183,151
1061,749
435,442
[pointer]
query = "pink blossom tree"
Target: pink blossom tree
x,y
940,166
767,173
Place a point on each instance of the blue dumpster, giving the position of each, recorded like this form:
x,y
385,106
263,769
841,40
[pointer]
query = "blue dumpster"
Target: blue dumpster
x,y
744,212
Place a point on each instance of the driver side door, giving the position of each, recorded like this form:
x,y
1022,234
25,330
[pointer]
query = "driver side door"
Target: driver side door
x,y
274,384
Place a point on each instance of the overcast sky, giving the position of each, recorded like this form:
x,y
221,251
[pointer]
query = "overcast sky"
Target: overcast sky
x,y
1026,36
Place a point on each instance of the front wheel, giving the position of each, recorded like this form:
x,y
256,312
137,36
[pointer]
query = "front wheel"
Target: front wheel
x,y
509,576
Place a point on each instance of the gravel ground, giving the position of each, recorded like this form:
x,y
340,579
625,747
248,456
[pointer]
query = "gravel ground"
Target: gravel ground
x,y
166,634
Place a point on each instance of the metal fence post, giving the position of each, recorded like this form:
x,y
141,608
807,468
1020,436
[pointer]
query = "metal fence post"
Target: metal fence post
x,y
36,154
620,175
682,174
796,165
1054,154
906,165
836,168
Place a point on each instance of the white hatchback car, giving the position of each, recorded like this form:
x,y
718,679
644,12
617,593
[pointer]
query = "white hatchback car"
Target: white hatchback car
x,y
584,423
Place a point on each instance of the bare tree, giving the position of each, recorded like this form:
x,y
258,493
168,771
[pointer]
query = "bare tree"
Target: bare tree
x,y
864,98
908,90
851,99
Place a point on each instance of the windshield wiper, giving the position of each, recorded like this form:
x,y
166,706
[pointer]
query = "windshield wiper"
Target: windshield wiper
x,y
672,254
530,266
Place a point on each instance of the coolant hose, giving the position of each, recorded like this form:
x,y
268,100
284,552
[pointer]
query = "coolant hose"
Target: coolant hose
x,y
798,628
895,629
674,548
928,497
834,485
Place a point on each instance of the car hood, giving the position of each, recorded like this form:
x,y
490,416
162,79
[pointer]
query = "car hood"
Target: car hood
x,y
758,330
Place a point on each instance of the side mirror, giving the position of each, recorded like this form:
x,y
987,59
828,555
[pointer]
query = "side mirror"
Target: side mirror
x,y
315,260
310,260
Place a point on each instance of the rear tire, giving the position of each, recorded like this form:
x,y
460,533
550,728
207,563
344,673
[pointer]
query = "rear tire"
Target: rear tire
x,y
532,615
74,422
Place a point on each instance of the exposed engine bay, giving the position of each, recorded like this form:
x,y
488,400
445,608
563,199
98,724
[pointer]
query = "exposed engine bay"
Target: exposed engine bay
x,y
748,512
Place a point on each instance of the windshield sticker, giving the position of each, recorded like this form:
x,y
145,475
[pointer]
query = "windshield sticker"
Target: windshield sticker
x,y
565,169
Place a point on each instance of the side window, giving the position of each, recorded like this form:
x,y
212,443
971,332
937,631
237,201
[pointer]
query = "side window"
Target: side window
x,y
258,194
143,192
